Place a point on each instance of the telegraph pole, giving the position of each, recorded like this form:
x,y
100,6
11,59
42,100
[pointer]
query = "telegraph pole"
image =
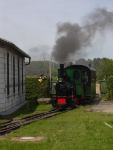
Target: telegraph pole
x,y
50,72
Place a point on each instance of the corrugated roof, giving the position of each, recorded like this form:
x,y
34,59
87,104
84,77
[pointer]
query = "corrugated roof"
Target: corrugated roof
x,y
10,45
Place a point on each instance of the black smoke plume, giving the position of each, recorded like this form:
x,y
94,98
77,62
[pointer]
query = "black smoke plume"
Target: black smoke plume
x,y
73,38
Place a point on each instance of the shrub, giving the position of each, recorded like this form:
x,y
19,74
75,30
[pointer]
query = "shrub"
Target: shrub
x,y
110,88
43,88
36,89
31,88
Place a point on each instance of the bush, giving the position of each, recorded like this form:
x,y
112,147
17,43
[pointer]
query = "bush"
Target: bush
x,y
31,88
36,89
110,88
43,89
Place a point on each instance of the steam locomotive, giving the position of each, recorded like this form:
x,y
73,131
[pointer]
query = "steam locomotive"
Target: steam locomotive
x,y
76,85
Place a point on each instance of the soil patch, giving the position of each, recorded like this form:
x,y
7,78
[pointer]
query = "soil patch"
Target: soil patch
x,y
29,139
102,107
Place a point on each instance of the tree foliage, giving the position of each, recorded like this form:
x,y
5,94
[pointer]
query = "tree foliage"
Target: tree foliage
x,y
110,88
43,88
105,69
31,88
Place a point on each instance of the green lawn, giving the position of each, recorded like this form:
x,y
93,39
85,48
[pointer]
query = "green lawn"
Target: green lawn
x,y
26,110
74,130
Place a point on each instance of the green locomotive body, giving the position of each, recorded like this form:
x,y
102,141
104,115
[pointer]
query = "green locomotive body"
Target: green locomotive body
x,y
84,81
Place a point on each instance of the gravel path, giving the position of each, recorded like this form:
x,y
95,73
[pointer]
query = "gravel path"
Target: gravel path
x,y
102,107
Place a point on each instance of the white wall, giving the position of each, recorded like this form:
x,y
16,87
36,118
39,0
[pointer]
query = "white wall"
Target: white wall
x,y
12,100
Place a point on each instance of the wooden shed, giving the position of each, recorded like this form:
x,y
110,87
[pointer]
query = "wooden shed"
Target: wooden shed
x,y
12,77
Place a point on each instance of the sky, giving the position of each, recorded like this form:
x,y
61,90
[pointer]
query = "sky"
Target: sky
x,y
33,23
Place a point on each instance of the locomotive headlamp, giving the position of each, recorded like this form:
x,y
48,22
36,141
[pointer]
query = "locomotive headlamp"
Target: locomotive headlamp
x,y
40,79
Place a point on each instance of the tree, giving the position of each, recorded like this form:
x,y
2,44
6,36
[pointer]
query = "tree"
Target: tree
x,y
105,69
110,88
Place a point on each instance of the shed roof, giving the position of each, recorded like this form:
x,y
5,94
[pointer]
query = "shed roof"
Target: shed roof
x,y
10,45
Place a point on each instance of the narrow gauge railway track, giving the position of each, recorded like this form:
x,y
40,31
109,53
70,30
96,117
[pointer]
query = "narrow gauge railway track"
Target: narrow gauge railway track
x,y
6,122
13,125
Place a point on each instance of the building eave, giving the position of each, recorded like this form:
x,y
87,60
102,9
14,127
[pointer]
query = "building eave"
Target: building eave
x,y
10,45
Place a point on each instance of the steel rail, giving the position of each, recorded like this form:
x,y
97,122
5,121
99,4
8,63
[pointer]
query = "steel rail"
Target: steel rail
x,y
7,128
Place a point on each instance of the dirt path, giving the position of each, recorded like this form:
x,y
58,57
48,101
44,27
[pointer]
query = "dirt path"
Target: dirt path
x,y
102,107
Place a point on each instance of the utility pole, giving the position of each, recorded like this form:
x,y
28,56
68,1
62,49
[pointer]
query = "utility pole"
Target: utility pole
x,y
50,72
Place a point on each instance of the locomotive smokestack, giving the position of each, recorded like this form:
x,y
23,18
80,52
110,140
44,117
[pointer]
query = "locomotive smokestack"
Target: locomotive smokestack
x,y
89,65
61,71
62,66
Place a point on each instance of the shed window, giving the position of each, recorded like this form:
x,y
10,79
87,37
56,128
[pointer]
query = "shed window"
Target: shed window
x,y
22,75
85,77
77,75
7,73
18,75
13,74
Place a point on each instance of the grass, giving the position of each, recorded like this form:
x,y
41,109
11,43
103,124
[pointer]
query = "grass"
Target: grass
x,y
74,130
26,110
31,109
